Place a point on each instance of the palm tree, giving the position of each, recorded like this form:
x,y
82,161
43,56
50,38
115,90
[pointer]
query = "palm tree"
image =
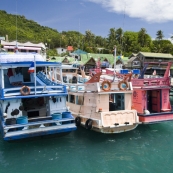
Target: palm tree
x,y
112,38
89,36
142,35
172,37
112,34
119,35
159,35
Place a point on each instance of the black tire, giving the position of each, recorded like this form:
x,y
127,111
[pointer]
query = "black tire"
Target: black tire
x,y
88,124
78,121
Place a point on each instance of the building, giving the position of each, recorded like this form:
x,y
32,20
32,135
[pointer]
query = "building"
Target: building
x,y
61,50
137,61
24,47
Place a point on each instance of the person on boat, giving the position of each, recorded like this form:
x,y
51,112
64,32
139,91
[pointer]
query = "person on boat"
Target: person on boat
x,y
98,63
154,73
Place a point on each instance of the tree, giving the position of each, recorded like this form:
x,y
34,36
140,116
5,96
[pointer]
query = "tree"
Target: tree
x,y
111,40
142,35
159,35
119,35
89,37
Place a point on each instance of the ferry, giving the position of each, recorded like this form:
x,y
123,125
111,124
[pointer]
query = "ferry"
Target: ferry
x,y
105,106
151,95
32,104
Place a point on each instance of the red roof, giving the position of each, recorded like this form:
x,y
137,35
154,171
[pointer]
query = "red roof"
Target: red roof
x,y
70,48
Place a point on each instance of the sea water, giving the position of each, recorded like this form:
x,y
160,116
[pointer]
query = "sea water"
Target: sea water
x,y
147,149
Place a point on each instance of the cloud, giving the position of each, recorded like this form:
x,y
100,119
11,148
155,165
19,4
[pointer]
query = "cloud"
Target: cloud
x,y
153,11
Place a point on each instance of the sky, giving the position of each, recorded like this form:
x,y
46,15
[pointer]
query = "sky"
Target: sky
x,y
98,16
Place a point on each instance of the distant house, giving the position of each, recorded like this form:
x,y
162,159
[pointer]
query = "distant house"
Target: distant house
x,y
137,61
134,63
24,47
151,57
61,50
155,57
77,54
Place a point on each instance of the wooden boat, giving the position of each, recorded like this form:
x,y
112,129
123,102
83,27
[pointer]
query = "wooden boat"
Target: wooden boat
x,y
104,107
31,104
151,96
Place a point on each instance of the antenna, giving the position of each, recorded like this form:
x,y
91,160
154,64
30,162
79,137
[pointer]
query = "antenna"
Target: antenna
x,y
16,48
123,24
79,34
124,15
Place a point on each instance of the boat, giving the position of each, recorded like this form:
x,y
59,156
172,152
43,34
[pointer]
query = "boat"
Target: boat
x,y
103,107
151,95
31,103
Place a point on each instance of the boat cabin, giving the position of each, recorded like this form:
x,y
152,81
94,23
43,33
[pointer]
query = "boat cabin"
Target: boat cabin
x,y
151,96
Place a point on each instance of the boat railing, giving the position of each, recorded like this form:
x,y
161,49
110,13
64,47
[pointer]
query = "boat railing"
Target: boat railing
x,y
151,82
16,91
75,87
43,86
38,125
95,70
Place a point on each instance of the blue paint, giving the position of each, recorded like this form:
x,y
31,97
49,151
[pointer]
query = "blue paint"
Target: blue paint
x,y
56,116
66,115
124,71
22,120
136,71
41,133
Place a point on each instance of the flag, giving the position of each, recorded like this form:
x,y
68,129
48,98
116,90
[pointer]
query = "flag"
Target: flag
x,y
10,72
31,68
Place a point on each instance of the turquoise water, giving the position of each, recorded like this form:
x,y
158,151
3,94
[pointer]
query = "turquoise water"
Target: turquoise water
x,y
147,149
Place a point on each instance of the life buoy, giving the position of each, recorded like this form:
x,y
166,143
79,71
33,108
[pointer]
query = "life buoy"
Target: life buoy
x,y
78,121
106,85
25,90
123,85
88,124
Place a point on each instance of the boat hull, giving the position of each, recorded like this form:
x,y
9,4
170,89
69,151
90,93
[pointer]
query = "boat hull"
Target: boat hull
x,y
110,122
113,130
23,131
155,118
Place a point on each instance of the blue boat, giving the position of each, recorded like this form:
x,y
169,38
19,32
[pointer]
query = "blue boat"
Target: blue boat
x,y
32,103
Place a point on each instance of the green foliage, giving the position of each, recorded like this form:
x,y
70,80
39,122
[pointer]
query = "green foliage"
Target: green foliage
x,y
52,52
19,28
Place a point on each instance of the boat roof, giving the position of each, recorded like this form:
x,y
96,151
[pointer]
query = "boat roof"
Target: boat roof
x,y
20,57
68,66
24,60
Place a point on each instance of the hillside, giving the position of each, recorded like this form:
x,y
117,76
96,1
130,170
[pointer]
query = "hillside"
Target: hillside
x,y
27,30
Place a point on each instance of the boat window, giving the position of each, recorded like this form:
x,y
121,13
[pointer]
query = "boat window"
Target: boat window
x,y
23,50
116,101
67,98
79,100
71,98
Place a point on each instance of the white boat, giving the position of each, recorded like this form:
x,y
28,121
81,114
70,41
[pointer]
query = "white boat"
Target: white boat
x,y
31,104
103,107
